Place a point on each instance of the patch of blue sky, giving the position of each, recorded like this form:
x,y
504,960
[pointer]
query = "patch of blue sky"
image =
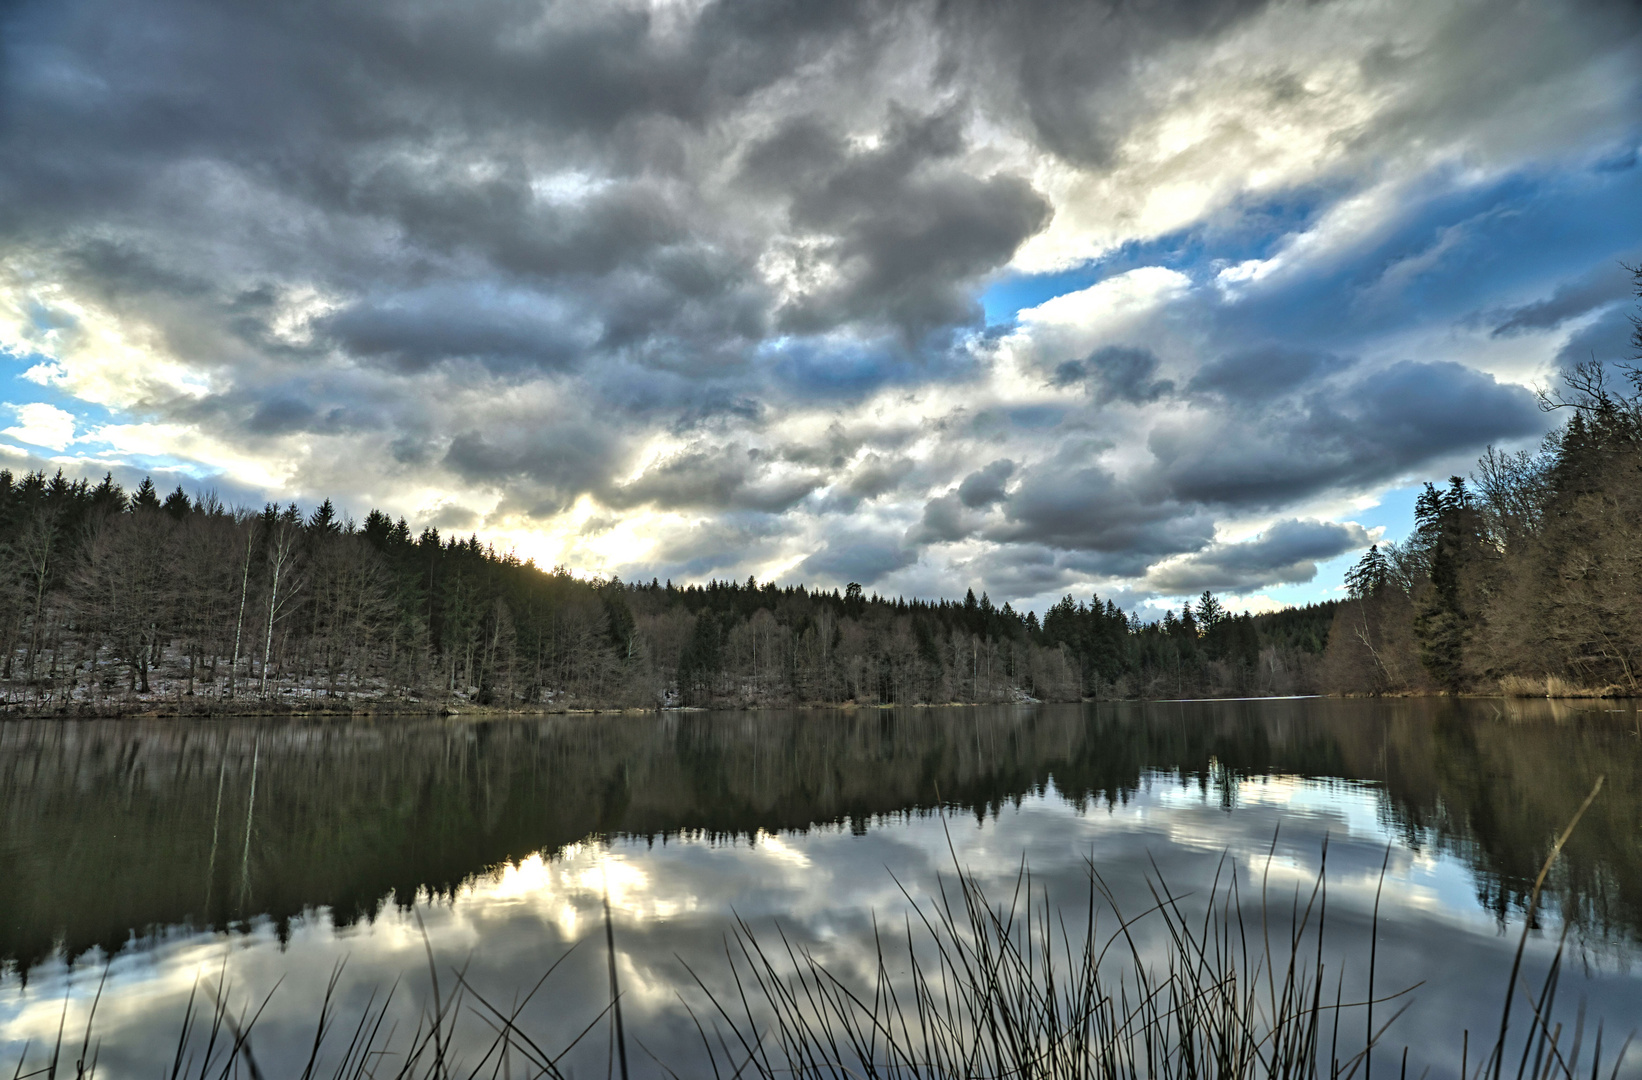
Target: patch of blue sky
x,y
1247,230
1518,233
846,369
1328,584
17,389
1014,293
1394,515
1463,250
1461,253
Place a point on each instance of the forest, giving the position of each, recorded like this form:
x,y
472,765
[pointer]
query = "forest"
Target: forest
x,y
117,601
1524,578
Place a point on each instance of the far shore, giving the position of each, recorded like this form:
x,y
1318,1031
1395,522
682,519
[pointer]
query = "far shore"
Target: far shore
x,y
171,709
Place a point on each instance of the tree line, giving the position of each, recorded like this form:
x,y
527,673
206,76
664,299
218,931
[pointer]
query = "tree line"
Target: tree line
x,y
111,599
1526,576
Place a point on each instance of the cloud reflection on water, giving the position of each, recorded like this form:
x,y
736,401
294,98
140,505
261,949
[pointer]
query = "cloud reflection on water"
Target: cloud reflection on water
x,y
1046,788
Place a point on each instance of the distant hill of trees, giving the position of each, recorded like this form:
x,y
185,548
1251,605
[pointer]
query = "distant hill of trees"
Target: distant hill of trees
x,y
111,600
1525,577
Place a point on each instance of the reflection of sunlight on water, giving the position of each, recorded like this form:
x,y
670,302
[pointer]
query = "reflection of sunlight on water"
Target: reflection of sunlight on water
x,y
778,849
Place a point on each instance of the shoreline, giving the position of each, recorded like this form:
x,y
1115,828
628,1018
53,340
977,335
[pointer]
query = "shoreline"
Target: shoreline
x,y
141,710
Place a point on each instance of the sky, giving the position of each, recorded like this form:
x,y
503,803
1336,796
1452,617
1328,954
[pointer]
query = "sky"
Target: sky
x,y
1127,297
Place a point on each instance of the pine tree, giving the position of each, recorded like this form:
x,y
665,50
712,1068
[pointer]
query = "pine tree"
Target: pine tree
x,y
1369,577
324,520
177,504
145,497
1442,622
108,497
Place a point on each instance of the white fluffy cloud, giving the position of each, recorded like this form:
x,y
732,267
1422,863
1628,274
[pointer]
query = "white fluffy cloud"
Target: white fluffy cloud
x,y
43,425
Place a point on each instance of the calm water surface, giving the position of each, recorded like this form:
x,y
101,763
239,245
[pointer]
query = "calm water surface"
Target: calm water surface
x,y
246,853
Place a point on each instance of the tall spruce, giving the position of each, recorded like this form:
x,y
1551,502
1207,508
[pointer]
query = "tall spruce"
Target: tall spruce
x,y
1446,523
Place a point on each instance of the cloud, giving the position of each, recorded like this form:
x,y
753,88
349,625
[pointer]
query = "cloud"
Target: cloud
x,y
720,545
876,475
983,487
1261,374
1602,286
1285,553
1606,340
945,520
862,556
731,477
1075,323
894,232
1116,373
1323,429
415,330
452,518
42,425
1066,504
546,469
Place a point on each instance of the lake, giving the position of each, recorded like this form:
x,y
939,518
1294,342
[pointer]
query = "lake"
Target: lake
x,y
156,857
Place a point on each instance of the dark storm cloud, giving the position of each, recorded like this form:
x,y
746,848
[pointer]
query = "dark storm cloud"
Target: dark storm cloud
x,y
115,269
862,556
1065,62
872,477
548,466
959,514
1604,285
414,332
1064,503
711,547
391,144
904,222
453,518
1116,373
1287,552
1329,430
281,415
326,404
1270,427
983,487
730,477
944,521
1017,570
1035,570
1607,340
876,475
1259,374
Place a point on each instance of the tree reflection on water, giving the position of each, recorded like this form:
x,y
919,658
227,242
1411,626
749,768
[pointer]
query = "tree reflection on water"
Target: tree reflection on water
x,y
116,828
